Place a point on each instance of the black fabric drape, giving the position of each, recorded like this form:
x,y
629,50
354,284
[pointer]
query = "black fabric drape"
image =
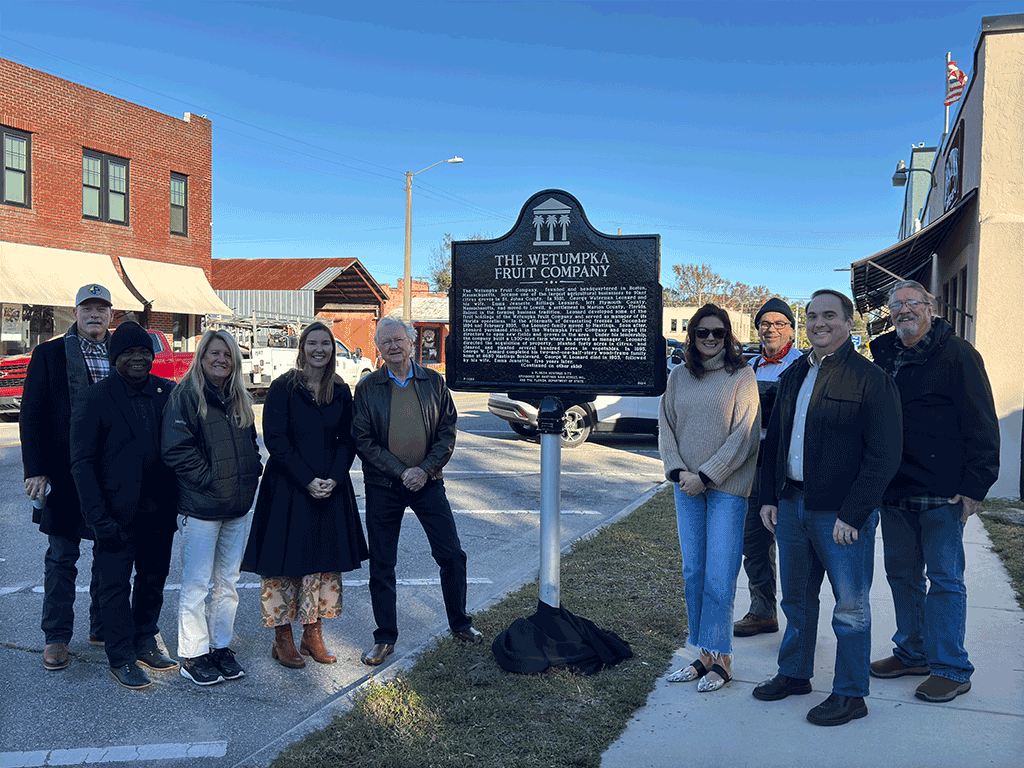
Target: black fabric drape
x,y
554,637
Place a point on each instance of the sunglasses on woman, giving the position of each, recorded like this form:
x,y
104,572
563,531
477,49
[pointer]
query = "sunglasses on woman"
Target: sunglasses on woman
x,y
718,333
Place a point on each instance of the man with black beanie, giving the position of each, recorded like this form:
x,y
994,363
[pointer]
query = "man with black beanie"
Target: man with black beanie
x,y
128,499
775,325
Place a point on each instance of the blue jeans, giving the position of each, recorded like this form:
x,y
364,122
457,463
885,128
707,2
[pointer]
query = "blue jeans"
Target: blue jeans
x,y
711,541
806,554
929,626
60,569
385,507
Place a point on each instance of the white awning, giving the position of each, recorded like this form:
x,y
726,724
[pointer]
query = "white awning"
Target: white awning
x,y
173,287
51,277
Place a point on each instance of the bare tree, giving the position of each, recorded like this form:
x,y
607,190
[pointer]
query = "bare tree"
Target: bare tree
x,y
441,262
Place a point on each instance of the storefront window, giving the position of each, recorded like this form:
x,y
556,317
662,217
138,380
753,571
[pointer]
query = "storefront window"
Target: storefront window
x,y
428,350
25,326
179,332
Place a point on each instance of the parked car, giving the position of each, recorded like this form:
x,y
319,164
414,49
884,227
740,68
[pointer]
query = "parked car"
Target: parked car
x,y
607,413
13,369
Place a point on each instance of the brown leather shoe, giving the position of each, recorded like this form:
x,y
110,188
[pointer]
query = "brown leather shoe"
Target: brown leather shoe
x,y
893,667
376,655
312,644
55,656
469,635
284,648
751,625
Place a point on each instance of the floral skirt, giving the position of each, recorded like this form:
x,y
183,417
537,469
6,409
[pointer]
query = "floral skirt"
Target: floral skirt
x,y
306,600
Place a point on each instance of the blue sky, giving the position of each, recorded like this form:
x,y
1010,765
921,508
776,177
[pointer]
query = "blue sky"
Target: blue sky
x,y
758,138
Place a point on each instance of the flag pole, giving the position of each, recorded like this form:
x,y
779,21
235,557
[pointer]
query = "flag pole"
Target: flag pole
x,y
945,125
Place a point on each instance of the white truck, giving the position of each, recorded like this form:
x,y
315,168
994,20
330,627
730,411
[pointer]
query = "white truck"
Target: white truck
x,y
269,348
270,362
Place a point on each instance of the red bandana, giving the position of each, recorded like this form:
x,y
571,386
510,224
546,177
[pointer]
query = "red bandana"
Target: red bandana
x,y
776,358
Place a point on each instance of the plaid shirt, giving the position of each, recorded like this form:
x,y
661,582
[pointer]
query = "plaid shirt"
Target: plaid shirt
x,y
910,355
96,358
921,503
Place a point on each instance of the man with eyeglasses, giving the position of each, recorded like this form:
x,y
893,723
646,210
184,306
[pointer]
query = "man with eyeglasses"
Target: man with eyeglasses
x,y
775,325
404,426
833,445
950,460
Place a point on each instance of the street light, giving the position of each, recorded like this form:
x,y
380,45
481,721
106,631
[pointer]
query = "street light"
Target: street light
x,y
407,286
899,178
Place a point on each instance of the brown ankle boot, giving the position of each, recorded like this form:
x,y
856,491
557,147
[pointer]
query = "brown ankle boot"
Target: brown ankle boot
x,y
312,644
284,648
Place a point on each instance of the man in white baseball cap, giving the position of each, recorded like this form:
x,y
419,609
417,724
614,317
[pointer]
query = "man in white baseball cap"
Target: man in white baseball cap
x,y
60,369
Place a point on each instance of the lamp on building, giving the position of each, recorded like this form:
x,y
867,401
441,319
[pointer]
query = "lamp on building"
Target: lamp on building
x,y
407,285
899,178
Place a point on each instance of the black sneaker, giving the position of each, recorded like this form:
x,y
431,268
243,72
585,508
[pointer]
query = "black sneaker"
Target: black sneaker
x,y
224,660
201,670
130,676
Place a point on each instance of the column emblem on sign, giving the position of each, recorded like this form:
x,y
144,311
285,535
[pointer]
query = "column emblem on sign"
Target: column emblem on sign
x,y
551,218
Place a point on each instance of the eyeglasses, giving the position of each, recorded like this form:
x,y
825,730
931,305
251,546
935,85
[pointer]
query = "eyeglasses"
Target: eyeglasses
x,y
385,343
778,326
913,304
718,333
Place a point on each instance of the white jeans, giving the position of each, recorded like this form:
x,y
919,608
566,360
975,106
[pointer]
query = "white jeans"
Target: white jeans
x,y
211,550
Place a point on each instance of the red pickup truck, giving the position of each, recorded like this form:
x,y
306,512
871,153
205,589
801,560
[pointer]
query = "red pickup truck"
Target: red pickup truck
x,y
167,363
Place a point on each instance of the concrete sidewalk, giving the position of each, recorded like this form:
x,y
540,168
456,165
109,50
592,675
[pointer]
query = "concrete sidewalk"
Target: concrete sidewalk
x,y
729,727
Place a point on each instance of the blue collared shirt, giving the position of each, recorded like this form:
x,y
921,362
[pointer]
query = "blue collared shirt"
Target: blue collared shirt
x,y
403,383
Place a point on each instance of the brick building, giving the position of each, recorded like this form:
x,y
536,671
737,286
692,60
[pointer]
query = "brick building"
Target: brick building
x,y
95,188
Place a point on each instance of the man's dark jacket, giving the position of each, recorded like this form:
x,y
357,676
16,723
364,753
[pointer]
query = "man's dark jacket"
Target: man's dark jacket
x,y
57,373
950,428
371,421
120,498
852,441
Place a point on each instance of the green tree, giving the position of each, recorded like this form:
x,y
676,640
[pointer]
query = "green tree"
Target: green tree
x,y
441,262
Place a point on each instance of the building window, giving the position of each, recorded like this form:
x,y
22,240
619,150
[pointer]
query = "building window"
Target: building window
x,y
180,332
104,187
675,325
179,204
15,185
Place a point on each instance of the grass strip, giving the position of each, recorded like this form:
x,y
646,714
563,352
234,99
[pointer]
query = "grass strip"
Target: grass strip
x,y
1007,539
457,708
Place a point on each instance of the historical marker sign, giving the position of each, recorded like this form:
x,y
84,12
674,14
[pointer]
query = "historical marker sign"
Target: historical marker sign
x,y
557,307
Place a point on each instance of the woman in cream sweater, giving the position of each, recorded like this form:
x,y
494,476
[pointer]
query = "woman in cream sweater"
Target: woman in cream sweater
x,y
709,426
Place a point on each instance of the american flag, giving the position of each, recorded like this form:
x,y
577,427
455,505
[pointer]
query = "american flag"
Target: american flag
x,y
955,81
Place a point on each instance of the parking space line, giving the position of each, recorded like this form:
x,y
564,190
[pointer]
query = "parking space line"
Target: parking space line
x,y
130,753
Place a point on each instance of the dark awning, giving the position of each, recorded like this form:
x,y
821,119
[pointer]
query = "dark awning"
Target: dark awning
x,y
909,259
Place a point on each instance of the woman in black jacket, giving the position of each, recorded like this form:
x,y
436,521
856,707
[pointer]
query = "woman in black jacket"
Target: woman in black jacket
x,y
306,530
209,440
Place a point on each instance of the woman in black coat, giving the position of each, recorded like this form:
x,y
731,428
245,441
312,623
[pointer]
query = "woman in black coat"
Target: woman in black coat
x,y
306,530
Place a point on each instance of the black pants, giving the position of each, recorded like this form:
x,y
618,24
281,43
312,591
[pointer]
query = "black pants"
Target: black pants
x,y
130,615
759,556
385,507
60,569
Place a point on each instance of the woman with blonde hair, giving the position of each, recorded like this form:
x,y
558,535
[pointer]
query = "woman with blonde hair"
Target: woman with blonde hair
x,y
306,530
709,428
209,440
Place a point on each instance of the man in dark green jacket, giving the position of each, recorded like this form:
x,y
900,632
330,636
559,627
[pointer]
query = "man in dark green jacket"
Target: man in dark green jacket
x,y
950,460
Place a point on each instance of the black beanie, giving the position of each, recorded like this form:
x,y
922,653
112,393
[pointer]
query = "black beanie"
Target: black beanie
x,y
775,305
127,335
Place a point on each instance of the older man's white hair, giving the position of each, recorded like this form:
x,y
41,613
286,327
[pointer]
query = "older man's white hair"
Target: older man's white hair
x,y
410,332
